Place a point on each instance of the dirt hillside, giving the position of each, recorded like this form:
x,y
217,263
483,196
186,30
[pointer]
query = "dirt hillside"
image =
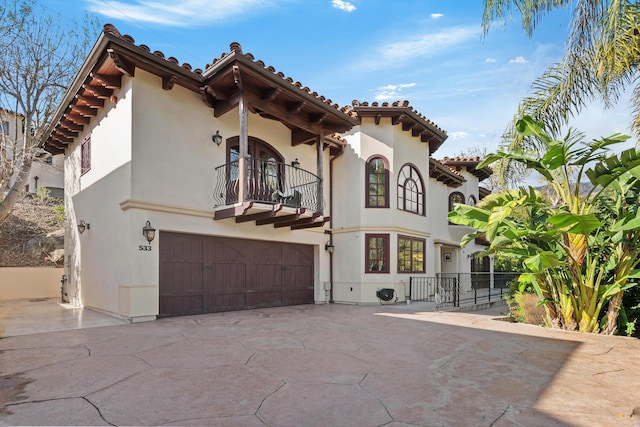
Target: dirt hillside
x,y
30,218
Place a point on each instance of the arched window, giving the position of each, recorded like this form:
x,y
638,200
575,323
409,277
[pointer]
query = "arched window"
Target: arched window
x,y
455,197
377,183
472,200
410,190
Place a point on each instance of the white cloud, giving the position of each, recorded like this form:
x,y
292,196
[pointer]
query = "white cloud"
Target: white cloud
x,y
343,5
490,60
175,13
459,135
436,15
518,60
391,92
418,46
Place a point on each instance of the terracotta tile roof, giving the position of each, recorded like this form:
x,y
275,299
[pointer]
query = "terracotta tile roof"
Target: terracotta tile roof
x,y
401,113
234,47
444,173
399,104
115,54
471,164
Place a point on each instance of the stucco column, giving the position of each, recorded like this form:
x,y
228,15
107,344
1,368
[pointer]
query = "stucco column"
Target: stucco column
x,y
319,170
244,144
437,268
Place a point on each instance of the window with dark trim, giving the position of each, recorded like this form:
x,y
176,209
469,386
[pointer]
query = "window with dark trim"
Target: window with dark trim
x,y
410,190
472,200
5,128
410,254
376,253
85,153
377,182
455,197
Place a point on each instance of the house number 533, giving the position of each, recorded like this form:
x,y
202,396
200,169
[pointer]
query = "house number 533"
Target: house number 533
x,y
144,247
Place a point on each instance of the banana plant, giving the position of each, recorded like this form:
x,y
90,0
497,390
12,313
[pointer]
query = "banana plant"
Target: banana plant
x,y
579,245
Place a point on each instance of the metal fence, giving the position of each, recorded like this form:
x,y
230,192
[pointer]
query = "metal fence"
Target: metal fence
x,y
456,289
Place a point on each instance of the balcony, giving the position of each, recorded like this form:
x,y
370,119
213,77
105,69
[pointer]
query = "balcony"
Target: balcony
x,y
274,193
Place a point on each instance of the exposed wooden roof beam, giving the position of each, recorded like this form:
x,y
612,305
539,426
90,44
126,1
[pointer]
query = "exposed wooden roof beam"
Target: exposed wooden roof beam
x,y
62,139
76,118
85,111
168,82
318,117
91,101
99,91
271,94
397,119
68,124
110,82
299,136
65,132
121,63
284,115
295,107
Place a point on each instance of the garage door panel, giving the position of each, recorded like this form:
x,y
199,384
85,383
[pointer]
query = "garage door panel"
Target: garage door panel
x,y
207,274
181,305
296,286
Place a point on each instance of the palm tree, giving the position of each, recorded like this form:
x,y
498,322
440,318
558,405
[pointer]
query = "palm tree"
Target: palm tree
x,y
601,60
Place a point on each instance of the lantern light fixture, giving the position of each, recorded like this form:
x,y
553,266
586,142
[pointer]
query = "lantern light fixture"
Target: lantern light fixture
x,y
82,226
217,138
149,232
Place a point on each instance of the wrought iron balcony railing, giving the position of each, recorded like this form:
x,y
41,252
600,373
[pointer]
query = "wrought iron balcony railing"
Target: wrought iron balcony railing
x,y
268,182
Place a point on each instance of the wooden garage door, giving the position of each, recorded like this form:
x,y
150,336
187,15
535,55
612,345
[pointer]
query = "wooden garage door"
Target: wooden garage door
x,y
204,274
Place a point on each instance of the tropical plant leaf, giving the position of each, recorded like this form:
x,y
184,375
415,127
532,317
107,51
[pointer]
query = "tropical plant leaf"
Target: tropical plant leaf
x,y
575,223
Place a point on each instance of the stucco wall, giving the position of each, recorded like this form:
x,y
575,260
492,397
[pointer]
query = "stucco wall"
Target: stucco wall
x,y
352,220
163,172
30,282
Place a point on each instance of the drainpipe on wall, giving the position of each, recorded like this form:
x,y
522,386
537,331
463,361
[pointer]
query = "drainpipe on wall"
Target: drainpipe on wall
x,y
331,229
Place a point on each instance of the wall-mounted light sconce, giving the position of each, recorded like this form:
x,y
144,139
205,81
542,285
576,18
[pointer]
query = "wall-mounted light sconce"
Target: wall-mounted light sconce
x,y
329,247
149,232
82,225
217,138
295,163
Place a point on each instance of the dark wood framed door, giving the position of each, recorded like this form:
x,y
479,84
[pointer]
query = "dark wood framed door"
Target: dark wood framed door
x,y
265,170
203,274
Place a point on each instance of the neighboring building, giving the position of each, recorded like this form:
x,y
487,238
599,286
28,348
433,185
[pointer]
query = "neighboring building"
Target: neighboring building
x,y
260,192
46,169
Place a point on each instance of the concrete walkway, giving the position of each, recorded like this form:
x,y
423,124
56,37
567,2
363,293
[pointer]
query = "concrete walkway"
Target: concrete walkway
x,y
323,365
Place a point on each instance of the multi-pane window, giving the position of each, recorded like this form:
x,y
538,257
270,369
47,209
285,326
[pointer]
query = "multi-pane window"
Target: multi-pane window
x,y
377,184
377,253
410,254
455,197
410,190
5,128
85,153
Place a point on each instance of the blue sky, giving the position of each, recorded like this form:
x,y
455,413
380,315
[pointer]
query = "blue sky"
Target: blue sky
x,y
428,52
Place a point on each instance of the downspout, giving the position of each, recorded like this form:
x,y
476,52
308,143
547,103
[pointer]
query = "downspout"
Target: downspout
x,y
331,227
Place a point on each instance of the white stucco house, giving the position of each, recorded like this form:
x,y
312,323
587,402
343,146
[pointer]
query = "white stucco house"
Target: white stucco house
x,y
257,191
46,169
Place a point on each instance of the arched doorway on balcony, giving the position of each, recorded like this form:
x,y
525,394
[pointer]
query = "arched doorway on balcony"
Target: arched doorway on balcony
x,y
265,168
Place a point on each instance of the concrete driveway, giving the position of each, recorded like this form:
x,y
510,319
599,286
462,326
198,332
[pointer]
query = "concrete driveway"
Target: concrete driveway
x,y
323,365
